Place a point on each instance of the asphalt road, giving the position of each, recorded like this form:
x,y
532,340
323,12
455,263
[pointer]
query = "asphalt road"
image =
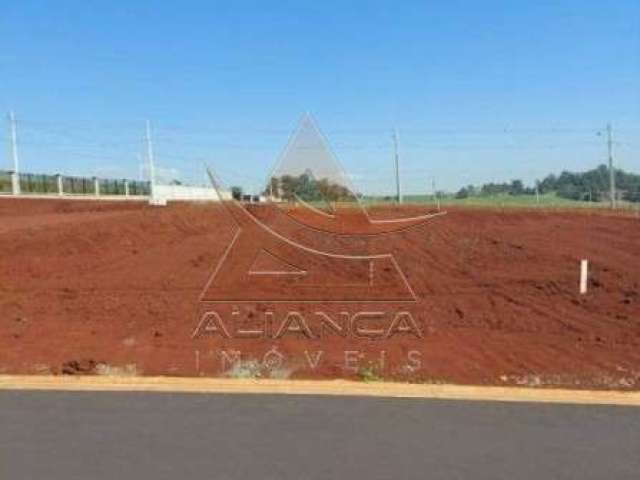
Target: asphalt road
x,y
67,436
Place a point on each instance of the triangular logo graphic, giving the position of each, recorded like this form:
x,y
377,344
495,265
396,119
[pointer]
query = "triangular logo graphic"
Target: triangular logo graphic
x,y
266,263
298,250
309,172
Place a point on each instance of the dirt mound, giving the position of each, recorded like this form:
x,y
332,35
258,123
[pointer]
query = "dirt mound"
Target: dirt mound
x,y
497,292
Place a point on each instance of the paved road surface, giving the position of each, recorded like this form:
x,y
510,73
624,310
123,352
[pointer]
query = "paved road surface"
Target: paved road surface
x,y
156,436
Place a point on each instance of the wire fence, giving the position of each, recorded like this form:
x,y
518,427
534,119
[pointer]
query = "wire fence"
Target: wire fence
x,y
78,185
43,184
35,183
5,182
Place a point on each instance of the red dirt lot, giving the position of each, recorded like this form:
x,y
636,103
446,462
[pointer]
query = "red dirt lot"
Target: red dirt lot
x,y
88,287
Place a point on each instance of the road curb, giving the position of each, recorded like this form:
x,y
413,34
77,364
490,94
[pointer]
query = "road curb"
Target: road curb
x,y
312,387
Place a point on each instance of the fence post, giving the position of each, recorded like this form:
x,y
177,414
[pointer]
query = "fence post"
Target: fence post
x,y
584,269
126,188
59,182
15,183
96,186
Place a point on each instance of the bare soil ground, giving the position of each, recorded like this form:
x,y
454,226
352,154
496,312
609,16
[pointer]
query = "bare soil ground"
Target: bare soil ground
x,y
89,287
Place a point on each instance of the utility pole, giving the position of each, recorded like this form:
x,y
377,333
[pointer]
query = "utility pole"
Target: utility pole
x,y
435,192
152,170
612,174
397,165
15,176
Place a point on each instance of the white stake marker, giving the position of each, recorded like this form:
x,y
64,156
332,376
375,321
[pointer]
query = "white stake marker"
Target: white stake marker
x,y
584,269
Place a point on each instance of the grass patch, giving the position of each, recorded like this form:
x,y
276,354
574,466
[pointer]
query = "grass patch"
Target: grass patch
x,y
370,374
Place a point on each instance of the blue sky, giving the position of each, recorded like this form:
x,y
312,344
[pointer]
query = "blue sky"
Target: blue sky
x,y
478,91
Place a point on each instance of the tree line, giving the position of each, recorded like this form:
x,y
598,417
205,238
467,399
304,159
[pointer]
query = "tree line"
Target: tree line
x,y
592,186
307,188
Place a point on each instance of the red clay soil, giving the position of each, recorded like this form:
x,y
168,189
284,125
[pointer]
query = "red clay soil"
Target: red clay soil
x,y
89,287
